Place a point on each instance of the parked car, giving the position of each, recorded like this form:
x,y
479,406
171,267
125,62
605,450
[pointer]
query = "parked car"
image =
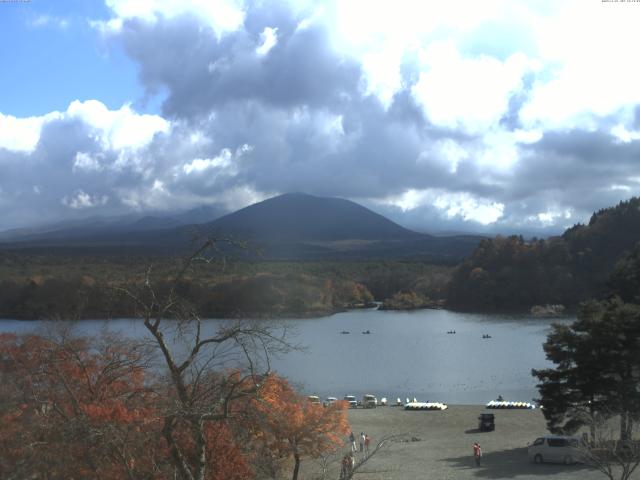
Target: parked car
x,y
555,449
369,401
330,401
351,400
486,422
314,399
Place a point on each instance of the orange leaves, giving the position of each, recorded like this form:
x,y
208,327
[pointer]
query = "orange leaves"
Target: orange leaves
x,y
75,408
226,461
296,425
69,407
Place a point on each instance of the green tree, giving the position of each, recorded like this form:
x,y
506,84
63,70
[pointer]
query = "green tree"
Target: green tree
x,y
597,368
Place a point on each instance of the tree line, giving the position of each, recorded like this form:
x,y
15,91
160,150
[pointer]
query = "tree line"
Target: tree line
x,y
511,273
41,288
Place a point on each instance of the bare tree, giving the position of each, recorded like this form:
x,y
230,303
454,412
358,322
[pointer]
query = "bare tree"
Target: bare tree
x,y
334,458
326,461
605,451
210,370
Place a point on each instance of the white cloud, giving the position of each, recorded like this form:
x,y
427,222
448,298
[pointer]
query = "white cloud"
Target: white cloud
x,y
223,162
22,134
468,93
269,39
624,188
384,35
468,208
550,217
588,50
87,162
81,200
451,205
118,129
625,134
450,152
221,15
409,200
499,151
198,165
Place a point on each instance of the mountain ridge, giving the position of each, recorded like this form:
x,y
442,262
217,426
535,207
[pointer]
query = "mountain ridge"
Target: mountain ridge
x,y
288,226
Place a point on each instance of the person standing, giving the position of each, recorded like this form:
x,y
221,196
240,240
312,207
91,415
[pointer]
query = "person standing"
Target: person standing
x,y
352,463
352,439
367,440
345,467
361,442
477,453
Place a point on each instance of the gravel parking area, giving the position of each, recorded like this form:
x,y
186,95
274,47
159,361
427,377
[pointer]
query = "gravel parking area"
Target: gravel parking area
x,y
444,448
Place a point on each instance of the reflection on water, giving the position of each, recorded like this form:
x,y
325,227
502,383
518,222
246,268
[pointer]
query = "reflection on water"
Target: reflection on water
x,y
407,354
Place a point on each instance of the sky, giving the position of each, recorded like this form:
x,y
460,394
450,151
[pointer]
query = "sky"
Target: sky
x,y
489,116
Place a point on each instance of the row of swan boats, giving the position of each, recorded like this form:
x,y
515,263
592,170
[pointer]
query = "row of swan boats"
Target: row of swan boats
x,y
502,404
425,406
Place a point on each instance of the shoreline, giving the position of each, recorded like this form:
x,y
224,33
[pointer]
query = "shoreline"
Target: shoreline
x,y
310,315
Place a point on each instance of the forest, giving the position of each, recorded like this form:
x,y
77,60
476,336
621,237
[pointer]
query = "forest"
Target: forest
x,y
511,273
41,287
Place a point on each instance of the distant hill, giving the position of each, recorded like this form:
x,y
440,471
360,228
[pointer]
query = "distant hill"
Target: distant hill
x,y
289,226
509,273
93,227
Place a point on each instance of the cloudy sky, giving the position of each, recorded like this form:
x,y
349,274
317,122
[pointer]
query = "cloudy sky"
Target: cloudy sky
x,y
484,116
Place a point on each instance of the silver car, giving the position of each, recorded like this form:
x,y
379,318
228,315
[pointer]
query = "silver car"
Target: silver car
x,y
555,449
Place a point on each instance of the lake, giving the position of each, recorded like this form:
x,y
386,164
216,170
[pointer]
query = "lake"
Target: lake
x,y
407,354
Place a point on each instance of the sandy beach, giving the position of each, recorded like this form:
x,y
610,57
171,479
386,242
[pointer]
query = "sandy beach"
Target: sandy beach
x,y
444,450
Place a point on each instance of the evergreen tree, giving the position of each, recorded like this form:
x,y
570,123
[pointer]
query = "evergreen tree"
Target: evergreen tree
x,y
597,368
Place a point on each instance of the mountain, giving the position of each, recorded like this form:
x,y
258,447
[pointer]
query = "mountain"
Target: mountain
x,y
298,217
106,226
289,226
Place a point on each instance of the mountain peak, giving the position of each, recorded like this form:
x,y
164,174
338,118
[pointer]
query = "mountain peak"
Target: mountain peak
x,y
300,216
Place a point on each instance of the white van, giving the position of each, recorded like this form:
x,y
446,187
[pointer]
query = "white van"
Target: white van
x,y
369,401
556,449
351,400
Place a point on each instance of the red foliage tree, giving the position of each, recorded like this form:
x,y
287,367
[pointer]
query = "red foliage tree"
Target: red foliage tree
x,y
289,425
73,409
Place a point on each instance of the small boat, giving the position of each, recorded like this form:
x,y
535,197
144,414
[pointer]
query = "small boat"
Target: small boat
x,y
366,332
486,336
344,332
451,332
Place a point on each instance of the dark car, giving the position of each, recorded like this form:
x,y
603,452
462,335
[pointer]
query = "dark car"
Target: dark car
x,y
486,422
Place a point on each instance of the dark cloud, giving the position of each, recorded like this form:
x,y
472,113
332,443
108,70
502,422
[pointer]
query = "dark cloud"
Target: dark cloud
x,y
202,72
299,118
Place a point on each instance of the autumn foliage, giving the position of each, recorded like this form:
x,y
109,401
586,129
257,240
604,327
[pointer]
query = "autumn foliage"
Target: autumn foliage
x,y
71,408
291,426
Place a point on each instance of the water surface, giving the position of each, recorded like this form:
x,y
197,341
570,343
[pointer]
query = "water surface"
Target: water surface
x,y
407,354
